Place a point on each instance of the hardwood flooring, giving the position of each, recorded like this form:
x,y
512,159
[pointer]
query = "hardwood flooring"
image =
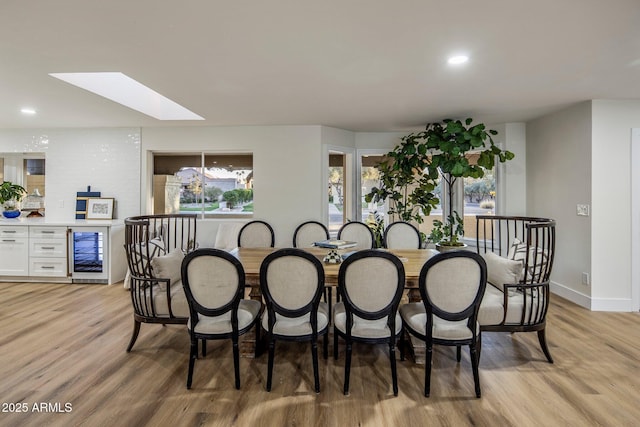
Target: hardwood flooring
x,y
63,361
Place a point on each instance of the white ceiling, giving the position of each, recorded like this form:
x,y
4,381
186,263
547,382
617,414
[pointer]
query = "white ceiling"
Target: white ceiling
x,y
361,65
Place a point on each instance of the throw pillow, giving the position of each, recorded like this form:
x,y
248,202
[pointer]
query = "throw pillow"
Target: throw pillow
x,y
501,271
534,257
168,267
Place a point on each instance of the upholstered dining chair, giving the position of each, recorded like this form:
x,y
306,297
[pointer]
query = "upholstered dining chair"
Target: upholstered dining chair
x,y
371,284
401,235
451,285
256,234
213,283
292,282
309,232
358,232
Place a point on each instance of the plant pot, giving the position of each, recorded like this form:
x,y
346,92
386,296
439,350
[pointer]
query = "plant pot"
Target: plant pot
x,y
441,247
11,214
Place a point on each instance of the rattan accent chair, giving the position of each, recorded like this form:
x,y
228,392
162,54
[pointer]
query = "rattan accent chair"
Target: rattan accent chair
x,y
292,282
451,286
256,234
371,283
155,246
519,252
401,235
213,282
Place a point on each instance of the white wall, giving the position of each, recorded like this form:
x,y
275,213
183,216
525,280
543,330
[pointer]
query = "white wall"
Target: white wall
x,y
286,165
512,175
106,159
558,178
611,216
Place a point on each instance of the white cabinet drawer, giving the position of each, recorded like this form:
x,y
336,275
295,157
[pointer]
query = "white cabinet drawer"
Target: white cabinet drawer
x,y
14,256
14,232
52,267
47,232
47,248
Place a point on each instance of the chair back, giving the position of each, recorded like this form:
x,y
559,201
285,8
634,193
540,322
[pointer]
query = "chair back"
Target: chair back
x,y
292,282
256,234
309,232
401,235
530,240
358,232
153,235
452,285
213,282
371,284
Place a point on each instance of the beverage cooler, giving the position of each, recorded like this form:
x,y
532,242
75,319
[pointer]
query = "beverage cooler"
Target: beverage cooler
x,y
88,252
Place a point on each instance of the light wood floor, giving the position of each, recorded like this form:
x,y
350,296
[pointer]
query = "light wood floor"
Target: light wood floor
x,y
65,344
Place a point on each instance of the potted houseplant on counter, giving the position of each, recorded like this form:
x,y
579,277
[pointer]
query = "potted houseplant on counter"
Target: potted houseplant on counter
x,y
409,174
10,195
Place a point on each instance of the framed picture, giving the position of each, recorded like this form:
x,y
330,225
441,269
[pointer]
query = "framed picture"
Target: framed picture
x,y
99,208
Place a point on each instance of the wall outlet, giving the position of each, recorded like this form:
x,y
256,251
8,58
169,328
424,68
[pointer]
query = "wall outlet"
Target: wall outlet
x,y
585,279
582,210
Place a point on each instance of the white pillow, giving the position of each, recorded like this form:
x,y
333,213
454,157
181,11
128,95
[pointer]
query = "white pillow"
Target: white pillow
x,y
537,258
168,267
227,236
502,270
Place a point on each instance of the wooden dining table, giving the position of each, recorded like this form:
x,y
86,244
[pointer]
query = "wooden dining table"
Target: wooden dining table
x,y
412,261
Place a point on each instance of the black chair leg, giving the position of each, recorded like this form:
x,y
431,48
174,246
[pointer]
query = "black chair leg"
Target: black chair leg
x,y
236,361
347,369
193,354
134,335
458,353
204,348
394,373
314,355
474,366
402,344
335,343
272,347
427,370
542,337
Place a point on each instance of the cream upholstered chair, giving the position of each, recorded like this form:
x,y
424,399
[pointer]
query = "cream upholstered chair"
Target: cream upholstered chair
x,y
371,284
213,283
292,282
451,285
256,234
309,232
358,232
401,235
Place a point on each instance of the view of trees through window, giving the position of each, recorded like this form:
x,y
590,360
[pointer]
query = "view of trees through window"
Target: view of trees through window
x,y
215,185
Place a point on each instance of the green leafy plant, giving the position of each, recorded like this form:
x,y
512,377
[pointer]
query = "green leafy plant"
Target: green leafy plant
x,y
375,221
448,233
11,194
409,173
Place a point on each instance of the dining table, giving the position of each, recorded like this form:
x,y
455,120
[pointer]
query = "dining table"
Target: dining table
x,y
412,261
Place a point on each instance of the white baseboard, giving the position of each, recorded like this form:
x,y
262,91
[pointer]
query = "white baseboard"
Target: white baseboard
x,y
593,304
572,295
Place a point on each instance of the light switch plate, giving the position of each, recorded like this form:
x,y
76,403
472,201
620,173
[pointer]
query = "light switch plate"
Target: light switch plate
x,y
582,210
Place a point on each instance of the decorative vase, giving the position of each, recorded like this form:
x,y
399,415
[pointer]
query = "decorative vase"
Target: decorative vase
x,y
11,214
448,248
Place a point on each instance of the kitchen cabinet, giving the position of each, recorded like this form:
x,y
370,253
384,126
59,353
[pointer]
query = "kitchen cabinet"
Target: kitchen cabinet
x,y
14,251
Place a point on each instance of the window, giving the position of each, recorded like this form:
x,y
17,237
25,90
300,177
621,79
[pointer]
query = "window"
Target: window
x,y
215,185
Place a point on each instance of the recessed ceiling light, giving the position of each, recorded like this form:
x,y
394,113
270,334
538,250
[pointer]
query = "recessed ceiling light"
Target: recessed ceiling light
x,y
29,111
458,59
124,90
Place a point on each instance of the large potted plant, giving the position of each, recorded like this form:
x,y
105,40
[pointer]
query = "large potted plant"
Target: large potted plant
x,y
10,195
410,172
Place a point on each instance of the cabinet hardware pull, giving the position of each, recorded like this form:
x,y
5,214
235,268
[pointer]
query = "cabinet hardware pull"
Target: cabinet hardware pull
x,y
47,247
9,231
47,232
47,267
8,240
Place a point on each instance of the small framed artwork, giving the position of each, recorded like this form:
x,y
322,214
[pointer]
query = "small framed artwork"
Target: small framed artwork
x,y
99,208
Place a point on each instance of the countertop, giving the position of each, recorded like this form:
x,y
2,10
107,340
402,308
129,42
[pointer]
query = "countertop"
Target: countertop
x,y
23,220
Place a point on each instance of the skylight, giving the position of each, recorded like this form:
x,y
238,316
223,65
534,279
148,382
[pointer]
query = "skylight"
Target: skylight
x,y
124,90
